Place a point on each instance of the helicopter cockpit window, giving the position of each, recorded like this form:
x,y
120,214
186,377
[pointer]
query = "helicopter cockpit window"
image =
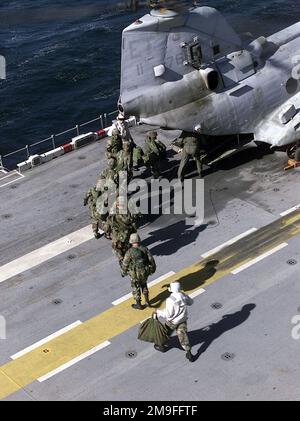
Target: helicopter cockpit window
x,y
193,53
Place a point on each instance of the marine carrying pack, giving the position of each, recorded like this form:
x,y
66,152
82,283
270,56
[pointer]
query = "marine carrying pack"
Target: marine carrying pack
x,y
152,330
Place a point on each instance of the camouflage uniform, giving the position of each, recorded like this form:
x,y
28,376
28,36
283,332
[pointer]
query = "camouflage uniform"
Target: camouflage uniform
x,y
108,180
110,174
114,145
190,149
102,210
124,160
90,199
154,151
137,157
122,226
182,334
138,263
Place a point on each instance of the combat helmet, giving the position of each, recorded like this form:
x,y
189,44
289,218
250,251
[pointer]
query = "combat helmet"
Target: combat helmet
x,y
152,134
134,238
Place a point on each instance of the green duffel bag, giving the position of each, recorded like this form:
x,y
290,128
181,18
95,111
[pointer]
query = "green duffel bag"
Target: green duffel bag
x,y
152,330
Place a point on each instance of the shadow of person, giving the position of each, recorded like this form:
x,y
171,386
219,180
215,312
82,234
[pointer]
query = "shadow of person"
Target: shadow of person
x,y
188,282
173,238
209,334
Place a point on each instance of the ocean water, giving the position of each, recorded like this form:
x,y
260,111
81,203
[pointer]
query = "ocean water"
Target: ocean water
x,y
63,58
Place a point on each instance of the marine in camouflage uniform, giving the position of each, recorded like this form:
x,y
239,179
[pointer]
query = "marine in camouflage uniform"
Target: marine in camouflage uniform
x,y
114,145
110,174
125,161
138,263
154,152
122,226
190,149
102,209
90,199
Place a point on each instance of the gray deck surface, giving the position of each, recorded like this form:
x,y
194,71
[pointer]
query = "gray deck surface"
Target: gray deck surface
x,y
246,191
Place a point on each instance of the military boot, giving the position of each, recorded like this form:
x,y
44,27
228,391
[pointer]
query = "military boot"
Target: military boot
x,y
146,295
189,356
160,348
137,305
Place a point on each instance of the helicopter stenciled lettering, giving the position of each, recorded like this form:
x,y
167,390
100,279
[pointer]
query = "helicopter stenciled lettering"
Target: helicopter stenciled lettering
x,y
296,68
2,67
134,49
178,58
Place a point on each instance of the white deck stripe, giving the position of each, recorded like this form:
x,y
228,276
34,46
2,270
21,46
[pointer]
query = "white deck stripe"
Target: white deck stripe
x,y
290,210
198,292
21,176
45,253
10,174
74,361
228,243
151,284
45,340
258,259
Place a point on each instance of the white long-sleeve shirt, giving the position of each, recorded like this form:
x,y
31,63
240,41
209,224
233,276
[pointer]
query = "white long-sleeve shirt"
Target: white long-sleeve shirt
x,y
176,308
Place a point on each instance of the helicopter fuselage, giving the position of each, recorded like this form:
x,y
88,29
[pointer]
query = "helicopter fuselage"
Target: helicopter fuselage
x,y
193,72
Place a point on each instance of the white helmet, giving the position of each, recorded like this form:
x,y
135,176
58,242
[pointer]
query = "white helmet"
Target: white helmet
x,y
175,287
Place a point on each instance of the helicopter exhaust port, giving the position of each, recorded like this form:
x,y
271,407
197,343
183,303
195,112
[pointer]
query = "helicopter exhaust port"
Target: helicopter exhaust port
x,y
211,78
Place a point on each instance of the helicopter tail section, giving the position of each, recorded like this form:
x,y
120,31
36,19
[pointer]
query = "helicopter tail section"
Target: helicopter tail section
x,y
167,52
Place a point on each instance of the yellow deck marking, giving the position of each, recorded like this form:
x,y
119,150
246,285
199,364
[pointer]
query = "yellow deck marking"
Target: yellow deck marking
x,y
116,320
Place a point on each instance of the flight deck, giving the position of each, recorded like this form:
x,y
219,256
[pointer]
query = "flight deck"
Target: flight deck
x,y
71,333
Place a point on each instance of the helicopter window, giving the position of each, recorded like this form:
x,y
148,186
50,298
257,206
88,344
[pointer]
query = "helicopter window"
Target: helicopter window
x,y
216,49
193,53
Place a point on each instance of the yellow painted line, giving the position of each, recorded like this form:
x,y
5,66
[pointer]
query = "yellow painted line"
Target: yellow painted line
x,y
39,362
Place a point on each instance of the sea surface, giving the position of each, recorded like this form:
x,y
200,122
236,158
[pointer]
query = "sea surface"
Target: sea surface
x,y
63,58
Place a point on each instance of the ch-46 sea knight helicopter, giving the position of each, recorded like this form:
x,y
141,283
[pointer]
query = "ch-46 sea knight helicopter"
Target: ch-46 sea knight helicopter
x,y
184,67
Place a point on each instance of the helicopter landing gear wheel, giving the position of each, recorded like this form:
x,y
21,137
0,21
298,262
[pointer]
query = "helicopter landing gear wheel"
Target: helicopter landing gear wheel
x,y
293,151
